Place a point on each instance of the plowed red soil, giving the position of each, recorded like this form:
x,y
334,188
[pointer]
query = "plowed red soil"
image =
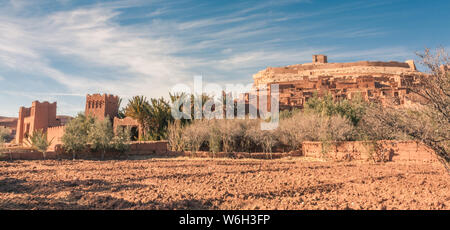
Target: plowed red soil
x,y
296,183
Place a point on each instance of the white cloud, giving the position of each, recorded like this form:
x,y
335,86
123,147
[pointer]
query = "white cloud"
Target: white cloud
x,y
147,59
90,36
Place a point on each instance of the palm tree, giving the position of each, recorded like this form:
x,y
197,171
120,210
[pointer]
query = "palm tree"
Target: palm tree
x,y
160,117
204,99
121,113
181,96
38,140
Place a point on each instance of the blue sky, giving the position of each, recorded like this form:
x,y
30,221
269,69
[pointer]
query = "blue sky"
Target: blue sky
x,y
61,50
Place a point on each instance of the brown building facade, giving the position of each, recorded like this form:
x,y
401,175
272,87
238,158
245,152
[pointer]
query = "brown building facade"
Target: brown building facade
x,y
374,81
136,129
102,105
40,116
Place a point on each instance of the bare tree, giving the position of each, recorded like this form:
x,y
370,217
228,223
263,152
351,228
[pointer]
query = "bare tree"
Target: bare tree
x,y
428,122
435,89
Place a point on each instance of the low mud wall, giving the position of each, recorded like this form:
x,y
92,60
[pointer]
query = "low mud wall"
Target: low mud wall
x,y
347,150
365,150
159,148
25,154
54,136
149,148
233,155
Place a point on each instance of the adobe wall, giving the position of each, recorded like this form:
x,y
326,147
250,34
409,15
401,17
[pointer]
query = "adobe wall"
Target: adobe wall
x,y
55,134
23,112
273,75
136,147
364,150
353,150
26,154
149,148
128,122
140,148
320,67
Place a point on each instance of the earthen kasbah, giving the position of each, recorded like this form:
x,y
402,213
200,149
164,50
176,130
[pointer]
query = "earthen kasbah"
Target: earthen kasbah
x,y
42,116
372,80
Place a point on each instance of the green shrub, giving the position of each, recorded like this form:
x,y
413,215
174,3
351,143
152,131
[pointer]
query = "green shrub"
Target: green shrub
x,y
214,141
354,109
100,136
76,135
4,134
120,142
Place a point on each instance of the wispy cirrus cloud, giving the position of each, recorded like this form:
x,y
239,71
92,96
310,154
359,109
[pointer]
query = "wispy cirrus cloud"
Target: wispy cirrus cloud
x,y
67,49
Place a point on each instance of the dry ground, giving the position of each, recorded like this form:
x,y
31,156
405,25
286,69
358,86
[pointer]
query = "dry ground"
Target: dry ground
x,y
182,183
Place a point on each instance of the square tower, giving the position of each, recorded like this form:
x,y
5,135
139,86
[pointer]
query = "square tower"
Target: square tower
x,y
40,116
100,106
319,58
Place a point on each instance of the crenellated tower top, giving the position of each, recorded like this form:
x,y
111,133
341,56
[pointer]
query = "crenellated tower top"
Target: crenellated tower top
x,y
102,105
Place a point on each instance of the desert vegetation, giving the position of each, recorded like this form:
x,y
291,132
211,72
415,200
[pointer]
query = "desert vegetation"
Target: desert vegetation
x,y
323,120
38,141
327,120
88,134
153,115
3,136
429,122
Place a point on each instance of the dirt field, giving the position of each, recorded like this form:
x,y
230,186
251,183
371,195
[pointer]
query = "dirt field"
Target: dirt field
x,y
181,183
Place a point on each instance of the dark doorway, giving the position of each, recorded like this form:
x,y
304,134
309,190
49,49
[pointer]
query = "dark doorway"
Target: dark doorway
x,y
134,133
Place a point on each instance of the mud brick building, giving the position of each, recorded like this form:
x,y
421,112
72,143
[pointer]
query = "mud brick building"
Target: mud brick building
x,y
136,129
42,116
101,106
373,80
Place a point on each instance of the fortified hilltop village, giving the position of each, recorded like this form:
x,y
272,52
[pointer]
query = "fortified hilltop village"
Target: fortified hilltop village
x,y
373,80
